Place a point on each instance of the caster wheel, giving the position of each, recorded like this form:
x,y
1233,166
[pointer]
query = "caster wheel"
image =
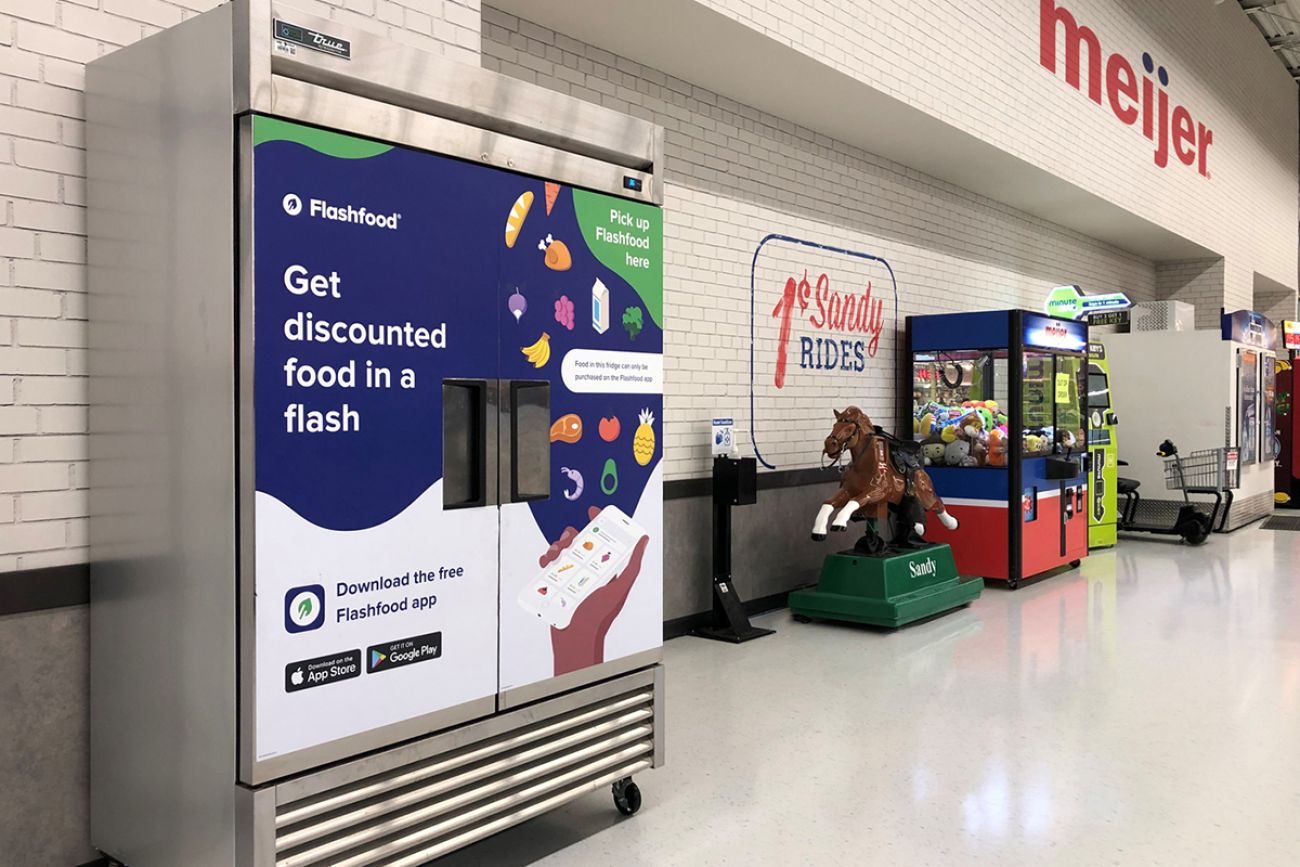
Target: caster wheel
x,y
627,797
802,618
1074,564
1196,534
1013,583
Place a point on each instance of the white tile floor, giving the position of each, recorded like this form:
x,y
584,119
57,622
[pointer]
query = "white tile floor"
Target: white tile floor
x,y
1144,710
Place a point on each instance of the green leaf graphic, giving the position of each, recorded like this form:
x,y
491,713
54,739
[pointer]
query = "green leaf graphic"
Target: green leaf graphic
x,y
628,238
333,144
304,608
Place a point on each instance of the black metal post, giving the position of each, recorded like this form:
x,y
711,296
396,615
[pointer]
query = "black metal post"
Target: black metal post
x,y
733,484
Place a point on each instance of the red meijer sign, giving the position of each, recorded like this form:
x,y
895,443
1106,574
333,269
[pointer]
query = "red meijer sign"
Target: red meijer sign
x,y
1130,98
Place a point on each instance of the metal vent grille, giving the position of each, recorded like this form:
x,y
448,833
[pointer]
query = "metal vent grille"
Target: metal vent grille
x,y
1151,317
415,812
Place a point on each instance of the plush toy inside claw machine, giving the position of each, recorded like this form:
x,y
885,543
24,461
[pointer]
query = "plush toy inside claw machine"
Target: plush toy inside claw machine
x,y
891,576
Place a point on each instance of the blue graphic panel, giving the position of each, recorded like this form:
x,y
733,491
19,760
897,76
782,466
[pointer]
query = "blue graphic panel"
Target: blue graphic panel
x,y
430,268
524,269
427,262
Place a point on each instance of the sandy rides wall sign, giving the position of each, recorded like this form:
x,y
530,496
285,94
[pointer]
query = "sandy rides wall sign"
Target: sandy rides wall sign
x,y
819,316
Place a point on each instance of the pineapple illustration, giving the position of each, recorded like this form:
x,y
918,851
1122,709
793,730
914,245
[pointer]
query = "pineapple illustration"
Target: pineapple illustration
x,y
643,443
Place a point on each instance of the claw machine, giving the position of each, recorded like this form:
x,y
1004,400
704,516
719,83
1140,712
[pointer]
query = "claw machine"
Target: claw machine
x,y
997,400
376,447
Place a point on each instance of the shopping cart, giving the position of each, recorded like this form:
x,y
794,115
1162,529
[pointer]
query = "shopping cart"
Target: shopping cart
x,y
1209,472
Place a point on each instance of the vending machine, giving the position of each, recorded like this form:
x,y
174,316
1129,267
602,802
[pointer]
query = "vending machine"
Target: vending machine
x,y
998,404
1103,452
376,358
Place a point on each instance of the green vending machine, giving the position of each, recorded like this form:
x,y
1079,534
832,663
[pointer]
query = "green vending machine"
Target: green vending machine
x,y
1103,519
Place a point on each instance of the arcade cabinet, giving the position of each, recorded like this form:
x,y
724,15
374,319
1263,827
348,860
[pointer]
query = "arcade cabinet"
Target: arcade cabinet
x,y
1103,516
1286,471
997,404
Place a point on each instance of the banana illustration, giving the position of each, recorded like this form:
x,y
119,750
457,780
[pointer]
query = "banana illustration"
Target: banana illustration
x,y
540,352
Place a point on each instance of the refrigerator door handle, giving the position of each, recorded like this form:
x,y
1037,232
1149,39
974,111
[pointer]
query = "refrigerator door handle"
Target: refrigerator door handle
x,y
526,456
469,443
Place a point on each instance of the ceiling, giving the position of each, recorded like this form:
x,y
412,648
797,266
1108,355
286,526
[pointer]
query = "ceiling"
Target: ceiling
x,y
772,76
1279,21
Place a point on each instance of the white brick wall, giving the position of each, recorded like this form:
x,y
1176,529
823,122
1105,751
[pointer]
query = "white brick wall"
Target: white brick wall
x,y
733,176
976,66
1195,281
44,45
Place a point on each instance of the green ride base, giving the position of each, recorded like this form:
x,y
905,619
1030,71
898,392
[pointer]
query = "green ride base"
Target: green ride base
x,y
892,589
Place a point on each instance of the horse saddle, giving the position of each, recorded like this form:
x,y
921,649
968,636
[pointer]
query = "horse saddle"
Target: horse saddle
x,y
906,457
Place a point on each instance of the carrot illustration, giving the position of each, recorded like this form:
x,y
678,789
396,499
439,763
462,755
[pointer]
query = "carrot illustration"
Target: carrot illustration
x,y
552,193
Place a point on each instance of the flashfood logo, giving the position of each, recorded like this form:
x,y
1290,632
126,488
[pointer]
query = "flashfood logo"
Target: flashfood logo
x,y
928,568
304,608
1129,99
324,210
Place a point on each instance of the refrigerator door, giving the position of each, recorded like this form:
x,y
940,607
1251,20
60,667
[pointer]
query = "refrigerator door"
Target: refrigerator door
x,y
580,312
372,504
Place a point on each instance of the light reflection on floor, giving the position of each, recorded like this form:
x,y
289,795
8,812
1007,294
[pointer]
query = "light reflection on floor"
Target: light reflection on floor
x,y
1143,710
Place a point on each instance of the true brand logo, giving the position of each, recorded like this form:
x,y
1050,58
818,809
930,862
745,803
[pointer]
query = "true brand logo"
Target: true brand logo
x,y
1190,140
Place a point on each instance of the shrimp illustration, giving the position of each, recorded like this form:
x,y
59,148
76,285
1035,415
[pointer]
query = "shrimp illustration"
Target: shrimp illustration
x,y
576,478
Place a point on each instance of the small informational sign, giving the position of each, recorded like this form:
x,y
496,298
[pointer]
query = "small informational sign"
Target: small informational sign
x,y
1290,334
1062,388
1248,409
1110,317
1042,332
724,436
1251,328
1069,302
1231,458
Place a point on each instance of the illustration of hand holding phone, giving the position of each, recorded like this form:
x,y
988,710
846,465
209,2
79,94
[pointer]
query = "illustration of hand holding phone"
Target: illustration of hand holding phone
x,y
584,562
585,580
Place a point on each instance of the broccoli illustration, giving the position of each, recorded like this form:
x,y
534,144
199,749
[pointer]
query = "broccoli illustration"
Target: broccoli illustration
x,y
632,321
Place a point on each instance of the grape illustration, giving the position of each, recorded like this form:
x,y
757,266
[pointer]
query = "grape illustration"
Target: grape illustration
x,y
564,312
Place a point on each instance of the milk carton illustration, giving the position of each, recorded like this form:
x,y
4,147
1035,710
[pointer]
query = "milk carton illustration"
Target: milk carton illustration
x,y
599,307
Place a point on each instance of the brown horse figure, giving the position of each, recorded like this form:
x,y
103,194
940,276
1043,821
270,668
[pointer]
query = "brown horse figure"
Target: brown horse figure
x,y
870,483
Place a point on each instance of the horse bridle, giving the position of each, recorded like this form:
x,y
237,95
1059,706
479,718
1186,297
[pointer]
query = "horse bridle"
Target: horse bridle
x,y
844,443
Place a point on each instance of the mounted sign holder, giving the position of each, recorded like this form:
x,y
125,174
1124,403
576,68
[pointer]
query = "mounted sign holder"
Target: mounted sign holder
x,y
735,483
722,438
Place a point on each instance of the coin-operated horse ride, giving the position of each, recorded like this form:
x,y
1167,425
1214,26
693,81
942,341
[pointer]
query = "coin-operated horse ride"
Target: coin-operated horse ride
x,y
882,581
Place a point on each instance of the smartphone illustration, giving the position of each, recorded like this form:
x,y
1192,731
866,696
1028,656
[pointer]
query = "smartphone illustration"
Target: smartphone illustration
x,y
592,560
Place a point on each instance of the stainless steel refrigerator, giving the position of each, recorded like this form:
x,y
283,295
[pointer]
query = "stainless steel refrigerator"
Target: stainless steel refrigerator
x,y
376,477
